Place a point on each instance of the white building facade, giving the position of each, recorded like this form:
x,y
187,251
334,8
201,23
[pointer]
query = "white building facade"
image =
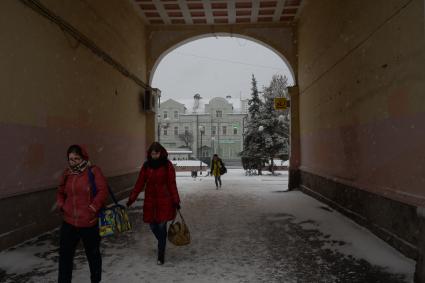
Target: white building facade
x,y
216,126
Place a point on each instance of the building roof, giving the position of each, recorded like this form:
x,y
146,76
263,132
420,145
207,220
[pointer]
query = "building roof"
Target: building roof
x,y
171,101
192,108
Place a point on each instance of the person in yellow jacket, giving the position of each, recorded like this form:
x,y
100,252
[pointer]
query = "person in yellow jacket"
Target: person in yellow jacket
x,y
217,169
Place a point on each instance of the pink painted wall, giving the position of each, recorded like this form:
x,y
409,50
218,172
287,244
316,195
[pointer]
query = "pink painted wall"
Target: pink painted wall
x,y
55,92
35,157
362,103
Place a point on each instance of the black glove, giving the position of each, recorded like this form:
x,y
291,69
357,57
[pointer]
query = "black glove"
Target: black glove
x,y
177,206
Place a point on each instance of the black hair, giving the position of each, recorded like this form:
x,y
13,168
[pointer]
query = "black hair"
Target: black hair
x,y
163,158
75,148
155,146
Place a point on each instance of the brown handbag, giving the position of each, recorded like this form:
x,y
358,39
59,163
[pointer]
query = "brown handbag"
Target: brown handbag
x,y
178,232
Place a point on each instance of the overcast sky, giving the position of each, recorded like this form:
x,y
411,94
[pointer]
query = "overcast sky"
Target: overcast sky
x,y
216,67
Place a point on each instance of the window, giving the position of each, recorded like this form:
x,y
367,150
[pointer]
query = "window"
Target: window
x,y
176,131
186,129
219,114
165,132
165,115
235,131
224,130
176,114
213,129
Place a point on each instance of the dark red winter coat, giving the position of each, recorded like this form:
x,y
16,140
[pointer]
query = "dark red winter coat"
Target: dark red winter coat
x,y
75,197
161,195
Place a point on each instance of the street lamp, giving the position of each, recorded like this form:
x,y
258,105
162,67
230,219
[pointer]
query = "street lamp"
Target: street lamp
x,y
213,148
163,125
243,130
202,130
260,130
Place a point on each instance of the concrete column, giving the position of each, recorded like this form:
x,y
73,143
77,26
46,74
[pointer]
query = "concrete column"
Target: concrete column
x,y
295,152
420,263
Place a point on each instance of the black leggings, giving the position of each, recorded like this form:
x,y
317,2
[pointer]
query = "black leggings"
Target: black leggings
x,y
160,232
69,238
217,180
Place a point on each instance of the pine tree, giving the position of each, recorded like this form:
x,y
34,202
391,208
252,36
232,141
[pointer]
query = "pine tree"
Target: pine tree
x,y
251,155
275,124
255,102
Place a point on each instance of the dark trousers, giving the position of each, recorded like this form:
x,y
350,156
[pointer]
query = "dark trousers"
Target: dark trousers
x,y
69,238
217,180
160,232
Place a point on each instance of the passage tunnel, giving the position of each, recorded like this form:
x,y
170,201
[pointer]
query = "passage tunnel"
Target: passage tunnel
x,y
79,71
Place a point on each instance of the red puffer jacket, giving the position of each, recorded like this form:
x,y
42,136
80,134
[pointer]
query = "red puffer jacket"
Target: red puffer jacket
x,y
161,193
75,197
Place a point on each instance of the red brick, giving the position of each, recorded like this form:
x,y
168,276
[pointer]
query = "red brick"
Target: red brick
x,y
195,6
289,11
175,14
243,12
265,19
219,5
266,12
243,5
197,14
171,7
268,4
219,13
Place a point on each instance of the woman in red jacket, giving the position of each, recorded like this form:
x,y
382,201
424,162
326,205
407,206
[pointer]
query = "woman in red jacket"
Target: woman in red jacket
x,y
80,208
158,178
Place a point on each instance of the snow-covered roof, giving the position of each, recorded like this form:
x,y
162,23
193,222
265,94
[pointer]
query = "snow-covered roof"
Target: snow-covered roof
x,y
188,163
199,107
191,107
179,151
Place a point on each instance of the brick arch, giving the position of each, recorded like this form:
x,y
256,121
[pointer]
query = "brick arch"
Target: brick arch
x,y
279,40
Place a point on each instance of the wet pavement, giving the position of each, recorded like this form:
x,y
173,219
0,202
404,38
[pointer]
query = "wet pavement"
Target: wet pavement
x,y
248,231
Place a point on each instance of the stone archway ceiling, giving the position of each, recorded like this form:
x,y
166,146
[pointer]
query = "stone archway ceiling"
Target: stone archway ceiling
x,y
208,12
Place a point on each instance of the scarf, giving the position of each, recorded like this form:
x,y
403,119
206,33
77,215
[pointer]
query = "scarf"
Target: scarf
x,y
156,163
79,168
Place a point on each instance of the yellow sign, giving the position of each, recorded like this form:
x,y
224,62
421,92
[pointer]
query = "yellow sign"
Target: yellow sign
x,y
281,103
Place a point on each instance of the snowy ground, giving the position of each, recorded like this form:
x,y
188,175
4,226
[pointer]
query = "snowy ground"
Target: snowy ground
x,y
250,230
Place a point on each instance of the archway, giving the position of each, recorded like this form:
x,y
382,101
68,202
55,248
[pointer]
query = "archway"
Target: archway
x,y
279,56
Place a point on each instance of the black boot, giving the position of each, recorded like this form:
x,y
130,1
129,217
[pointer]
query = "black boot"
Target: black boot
x,y
161,256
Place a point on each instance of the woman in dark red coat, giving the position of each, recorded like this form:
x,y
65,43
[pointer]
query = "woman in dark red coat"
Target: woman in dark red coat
x,y
80,208
158,178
